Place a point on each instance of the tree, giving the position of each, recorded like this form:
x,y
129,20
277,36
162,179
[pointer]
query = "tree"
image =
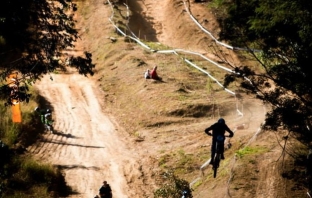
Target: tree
x,y
34,35
282,30
172,186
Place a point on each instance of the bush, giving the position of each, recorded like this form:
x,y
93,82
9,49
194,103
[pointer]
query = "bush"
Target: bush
x,y
172,186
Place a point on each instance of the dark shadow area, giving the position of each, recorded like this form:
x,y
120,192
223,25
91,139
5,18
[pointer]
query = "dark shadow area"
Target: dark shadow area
x,y
158,81
138,24
32,131
64,143
67,135
196,111
43,103
68,167
168,122
199,1
60,186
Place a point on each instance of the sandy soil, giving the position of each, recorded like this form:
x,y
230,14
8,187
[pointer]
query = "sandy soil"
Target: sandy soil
x,y
89,145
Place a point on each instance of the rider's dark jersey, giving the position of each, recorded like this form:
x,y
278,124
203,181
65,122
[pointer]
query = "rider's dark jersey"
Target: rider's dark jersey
x,y
218,129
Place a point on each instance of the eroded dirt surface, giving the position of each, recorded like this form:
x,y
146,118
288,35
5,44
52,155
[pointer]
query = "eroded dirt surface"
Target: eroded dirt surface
x,y
89,144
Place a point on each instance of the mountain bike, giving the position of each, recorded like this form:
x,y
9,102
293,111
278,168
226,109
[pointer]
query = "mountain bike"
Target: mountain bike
x,y
49,127
186,194
218,153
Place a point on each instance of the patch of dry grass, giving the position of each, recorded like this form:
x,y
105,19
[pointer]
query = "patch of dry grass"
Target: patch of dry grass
x,y
168,117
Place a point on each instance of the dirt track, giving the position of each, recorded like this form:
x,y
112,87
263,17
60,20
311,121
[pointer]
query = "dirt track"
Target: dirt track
x,y
86,145
89,146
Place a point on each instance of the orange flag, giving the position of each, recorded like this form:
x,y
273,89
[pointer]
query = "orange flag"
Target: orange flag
x,y
16,110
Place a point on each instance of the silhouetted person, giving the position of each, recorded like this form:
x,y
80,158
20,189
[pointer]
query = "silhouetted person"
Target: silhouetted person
x,y
218,130
105,190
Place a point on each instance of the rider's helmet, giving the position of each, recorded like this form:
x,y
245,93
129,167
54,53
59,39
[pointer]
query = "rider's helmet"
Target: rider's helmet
x,y
221,121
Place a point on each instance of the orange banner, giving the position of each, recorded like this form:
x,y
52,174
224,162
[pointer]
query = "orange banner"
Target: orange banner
x,y
16,110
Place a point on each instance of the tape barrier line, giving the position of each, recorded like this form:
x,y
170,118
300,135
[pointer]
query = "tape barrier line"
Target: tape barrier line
x,y
210,34
175,51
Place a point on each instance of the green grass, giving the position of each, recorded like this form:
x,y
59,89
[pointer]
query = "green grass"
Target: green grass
x,y
197,184
30,178
20,175
157,46
35,172
8,130
179,161
251,151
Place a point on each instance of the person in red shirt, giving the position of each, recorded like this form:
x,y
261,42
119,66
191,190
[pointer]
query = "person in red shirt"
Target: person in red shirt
x,y
153,74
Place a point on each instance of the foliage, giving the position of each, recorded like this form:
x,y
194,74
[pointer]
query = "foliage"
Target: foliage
x,y
20,175
34,38
250,150
172,186
281,29
24,177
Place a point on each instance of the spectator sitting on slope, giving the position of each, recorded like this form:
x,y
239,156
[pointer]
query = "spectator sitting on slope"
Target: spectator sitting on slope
x,y
154,74
147,74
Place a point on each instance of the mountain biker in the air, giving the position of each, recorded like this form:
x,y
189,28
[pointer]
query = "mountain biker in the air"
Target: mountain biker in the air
x,y
217,129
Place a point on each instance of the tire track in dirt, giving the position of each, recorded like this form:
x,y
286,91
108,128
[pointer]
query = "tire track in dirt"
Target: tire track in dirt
x,y
86,145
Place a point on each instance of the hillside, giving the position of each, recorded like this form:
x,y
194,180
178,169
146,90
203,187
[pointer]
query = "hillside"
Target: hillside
x,y
118,126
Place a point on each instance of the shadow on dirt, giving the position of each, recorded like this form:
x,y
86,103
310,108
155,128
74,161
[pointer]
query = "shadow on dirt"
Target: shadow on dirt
x,y
60,186
204,110
166,123
138,24
199,1
62,167
196,111
62,143
31,132
62,134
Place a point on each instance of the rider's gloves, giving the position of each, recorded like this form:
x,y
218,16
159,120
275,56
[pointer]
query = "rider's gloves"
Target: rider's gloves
x,y
231,135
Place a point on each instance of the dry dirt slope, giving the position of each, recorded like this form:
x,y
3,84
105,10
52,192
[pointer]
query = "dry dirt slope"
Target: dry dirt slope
x,y
123,133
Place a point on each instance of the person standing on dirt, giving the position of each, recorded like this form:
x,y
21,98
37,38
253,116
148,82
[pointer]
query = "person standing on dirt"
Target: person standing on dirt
x,y
105,190
218,129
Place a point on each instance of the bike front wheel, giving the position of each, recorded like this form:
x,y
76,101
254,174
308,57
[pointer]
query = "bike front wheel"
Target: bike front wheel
x,y
216,165
49,128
